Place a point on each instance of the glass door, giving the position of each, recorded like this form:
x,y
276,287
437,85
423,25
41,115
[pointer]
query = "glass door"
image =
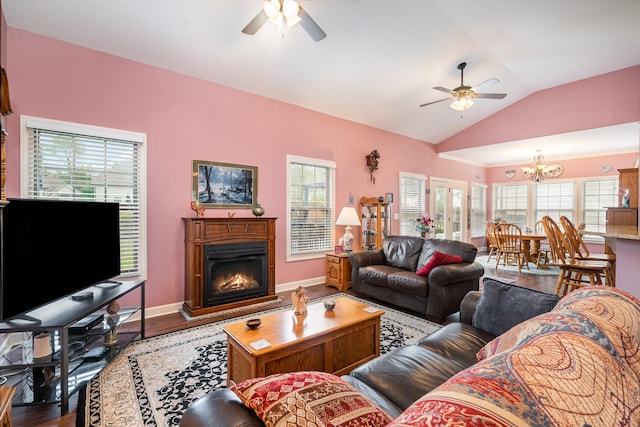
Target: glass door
x,y
449,209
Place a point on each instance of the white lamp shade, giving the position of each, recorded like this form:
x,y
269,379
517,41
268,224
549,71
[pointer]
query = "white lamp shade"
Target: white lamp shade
x,y
348,216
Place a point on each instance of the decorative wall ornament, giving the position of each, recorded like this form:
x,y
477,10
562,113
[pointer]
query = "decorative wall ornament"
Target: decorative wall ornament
x,y
510,174
372,163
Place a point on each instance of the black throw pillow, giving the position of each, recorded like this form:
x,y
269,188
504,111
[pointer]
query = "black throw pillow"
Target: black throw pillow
x,y
503,306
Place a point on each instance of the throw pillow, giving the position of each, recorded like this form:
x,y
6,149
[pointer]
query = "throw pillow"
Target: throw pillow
x,y
308,398
437,259
503,306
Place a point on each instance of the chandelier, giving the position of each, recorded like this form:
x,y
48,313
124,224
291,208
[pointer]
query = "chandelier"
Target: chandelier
x,y
540,171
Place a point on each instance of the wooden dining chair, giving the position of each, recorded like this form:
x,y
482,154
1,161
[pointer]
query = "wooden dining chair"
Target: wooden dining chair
x,y
544,250
574,273
492,242
509,238
581,251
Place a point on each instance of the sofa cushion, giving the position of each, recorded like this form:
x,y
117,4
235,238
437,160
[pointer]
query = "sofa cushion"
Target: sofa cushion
x,y
308,398
457,341
377,275
437,259
409,283
402,251
503,306
560,379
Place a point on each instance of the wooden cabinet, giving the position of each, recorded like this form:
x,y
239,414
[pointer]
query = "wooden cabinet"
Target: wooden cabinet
x,y
376,222
338,271
622,216
629,179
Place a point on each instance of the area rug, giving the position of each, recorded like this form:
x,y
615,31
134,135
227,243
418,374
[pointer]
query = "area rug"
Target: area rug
x,y
552,271
153,381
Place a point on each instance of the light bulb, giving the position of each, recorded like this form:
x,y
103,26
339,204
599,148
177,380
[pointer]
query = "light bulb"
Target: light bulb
x,y
290,8
271,8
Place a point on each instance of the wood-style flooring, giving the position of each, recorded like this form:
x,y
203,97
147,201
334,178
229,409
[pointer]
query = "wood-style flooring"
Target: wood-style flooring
x,y
49,415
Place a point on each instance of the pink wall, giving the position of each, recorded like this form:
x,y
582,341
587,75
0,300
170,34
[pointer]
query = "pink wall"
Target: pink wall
x,y
186,119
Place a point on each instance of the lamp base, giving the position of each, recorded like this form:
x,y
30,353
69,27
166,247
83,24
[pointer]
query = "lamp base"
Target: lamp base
x,y
347,239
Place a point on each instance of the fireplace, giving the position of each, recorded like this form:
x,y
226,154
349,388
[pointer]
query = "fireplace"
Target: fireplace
x,y
234,272
229,263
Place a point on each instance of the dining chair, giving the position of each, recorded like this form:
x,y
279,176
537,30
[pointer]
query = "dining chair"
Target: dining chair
x,y
544,250
581,251
492,242
572,271
509,238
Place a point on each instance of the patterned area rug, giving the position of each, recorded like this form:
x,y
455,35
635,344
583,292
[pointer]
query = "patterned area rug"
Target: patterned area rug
x,y
552,271
153,381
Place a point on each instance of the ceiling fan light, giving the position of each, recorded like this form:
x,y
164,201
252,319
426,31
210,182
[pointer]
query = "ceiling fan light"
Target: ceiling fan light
x,y
292,20
290,9
461,104
271,8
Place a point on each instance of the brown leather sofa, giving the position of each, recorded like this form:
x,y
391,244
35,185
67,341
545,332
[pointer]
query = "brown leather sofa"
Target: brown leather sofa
x,y
389,275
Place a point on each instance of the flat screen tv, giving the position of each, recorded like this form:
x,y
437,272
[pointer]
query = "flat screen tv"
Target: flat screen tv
x,y
52,249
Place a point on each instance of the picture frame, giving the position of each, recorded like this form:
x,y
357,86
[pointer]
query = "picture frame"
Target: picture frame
x,y
389,197
224,185
337,249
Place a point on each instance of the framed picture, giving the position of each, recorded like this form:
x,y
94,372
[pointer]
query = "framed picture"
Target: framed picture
x,y
389,197
224,185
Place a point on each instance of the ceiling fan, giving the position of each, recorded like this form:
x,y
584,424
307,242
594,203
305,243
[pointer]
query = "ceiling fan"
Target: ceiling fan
x,y
285,13
462,96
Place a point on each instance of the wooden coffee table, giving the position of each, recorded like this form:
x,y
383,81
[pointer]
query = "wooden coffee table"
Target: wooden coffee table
x,y
330,341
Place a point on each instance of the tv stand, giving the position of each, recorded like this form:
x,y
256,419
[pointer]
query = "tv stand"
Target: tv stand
x,y
35,384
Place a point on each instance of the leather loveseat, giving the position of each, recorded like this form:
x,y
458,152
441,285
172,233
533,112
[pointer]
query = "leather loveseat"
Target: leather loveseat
x,y
395,380
393,274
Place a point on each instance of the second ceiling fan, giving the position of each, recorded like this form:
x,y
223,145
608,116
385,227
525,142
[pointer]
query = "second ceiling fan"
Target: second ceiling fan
x,y
285,13
463,96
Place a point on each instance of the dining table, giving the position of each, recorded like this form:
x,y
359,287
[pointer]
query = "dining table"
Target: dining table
x,y
531,247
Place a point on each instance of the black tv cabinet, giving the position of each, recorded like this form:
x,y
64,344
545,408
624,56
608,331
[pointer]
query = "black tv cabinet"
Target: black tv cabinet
x,y
70,370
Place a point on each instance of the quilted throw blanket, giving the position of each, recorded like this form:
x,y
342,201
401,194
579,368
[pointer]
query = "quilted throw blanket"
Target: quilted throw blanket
x,y
578,365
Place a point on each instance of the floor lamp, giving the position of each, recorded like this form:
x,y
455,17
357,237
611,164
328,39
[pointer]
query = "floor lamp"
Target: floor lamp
x,y
348,217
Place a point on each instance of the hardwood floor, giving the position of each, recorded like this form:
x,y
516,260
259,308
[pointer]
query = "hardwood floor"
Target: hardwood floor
x,y
49,415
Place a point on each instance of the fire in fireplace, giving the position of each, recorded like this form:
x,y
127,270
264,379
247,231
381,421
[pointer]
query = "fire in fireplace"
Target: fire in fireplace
x,y
234,272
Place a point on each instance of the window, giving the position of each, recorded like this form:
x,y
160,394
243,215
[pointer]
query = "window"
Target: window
x,y
555,200
310,207
511,203
63,160
478,209
412,202
597,195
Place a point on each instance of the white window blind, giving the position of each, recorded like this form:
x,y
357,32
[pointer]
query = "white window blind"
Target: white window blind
x,y
412,202
555,200
311,216
597,196
511,204
478,209
63,162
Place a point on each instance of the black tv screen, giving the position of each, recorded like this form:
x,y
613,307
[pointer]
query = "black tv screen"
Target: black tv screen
x,y
52,249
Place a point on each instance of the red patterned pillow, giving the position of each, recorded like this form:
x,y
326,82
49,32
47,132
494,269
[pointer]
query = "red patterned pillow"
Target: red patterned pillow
x,y
438,258
308,398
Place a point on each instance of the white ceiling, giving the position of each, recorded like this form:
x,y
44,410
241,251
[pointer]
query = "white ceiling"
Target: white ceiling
x,y
380,59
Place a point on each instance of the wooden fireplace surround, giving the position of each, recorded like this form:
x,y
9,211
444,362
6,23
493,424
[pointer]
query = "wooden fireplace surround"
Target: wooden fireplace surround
x,y
200,232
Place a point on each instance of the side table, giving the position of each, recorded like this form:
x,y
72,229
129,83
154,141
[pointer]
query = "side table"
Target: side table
x,y
338,271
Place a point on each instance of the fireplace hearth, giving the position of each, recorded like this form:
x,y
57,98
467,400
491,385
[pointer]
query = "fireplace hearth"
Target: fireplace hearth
x,y
229,263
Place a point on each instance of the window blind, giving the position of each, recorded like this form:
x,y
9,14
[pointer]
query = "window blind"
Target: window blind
x,y
478,210
597,196
311,188
86,167
412,202
555,200
511,204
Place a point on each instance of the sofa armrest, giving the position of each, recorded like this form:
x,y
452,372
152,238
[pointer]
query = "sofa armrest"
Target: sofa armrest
x,y
359,259
221,407
453,273
468,306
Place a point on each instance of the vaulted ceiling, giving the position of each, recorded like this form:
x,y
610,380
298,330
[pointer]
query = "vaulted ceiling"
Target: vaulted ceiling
x,y
380,58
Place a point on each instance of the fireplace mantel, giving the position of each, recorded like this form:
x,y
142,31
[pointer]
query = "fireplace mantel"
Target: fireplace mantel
x,y
200,232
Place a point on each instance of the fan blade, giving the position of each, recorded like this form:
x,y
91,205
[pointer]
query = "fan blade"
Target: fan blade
x,y
442,89
491,95
435,102
310,26
489,82
256,23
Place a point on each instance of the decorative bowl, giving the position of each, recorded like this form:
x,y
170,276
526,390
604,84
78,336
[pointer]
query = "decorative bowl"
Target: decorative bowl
x,y
329,305
253,323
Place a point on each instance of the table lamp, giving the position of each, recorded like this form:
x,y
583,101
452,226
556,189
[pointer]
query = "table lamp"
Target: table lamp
x,y
348,217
